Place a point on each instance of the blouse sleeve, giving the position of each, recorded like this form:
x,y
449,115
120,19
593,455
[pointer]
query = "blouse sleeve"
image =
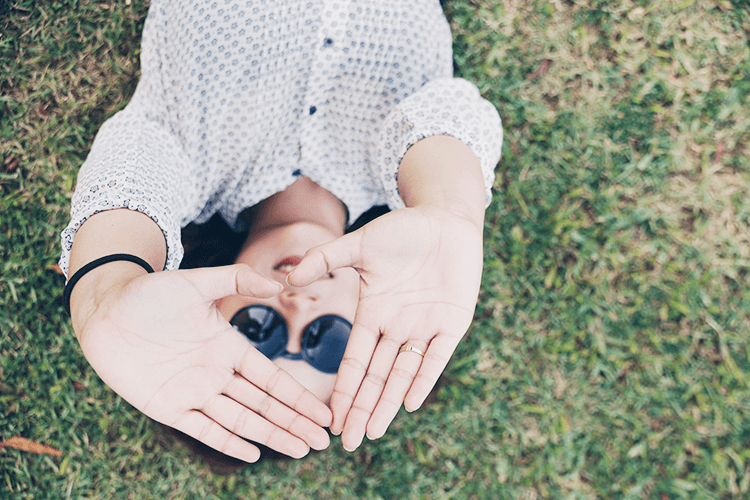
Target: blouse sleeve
x,y
444,106
136,162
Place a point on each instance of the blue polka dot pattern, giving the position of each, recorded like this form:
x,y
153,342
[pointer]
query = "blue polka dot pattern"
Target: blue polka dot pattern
x,y
237,99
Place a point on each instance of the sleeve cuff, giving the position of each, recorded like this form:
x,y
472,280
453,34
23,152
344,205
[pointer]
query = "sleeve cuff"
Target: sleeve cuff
x,y
446,106
169,227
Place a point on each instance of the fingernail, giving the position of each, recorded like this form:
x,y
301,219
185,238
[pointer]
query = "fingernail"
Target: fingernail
x,y
370,438
347,449
281,287
287,278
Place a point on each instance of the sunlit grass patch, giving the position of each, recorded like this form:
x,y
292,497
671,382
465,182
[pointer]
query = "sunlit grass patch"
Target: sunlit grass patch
x,y
610,354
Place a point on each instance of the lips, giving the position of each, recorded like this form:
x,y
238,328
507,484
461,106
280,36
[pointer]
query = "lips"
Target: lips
x,y
288,264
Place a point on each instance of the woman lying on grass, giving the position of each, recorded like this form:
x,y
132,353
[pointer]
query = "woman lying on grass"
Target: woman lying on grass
x,y
290,119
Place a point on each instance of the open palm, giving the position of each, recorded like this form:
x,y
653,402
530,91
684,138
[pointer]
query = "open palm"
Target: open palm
x,y
420,270
161,343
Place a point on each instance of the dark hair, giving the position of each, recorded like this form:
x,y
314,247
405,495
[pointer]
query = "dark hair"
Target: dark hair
x,y
216,244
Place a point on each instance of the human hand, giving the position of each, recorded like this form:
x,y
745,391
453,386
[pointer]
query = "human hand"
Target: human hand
x,y
160,343
420,270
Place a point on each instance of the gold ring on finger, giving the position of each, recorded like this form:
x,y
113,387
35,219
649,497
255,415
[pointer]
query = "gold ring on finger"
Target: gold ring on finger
x,y
410,348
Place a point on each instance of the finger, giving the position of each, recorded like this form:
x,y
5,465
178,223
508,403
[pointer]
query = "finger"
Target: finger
x,y
281,415
247,424
399,381
362,342
369,393
197,425
274,381
345,251
434,362
218,282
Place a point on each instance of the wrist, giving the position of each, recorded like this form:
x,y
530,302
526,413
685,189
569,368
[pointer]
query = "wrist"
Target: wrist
x,y
94,288
459,208
118,231
443,172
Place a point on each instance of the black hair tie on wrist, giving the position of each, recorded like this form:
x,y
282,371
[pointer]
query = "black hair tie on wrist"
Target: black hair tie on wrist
x,y
96,263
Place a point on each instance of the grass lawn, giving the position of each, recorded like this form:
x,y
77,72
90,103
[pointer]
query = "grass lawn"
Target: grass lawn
x,y
610,353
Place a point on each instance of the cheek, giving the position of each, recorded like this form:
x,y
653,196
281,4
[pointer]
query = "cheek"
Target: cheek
x,y
223,306
228,306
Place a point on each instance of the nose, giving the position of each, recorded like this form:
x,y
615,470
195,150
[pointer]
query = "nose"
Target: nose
x,y
299,300
298,308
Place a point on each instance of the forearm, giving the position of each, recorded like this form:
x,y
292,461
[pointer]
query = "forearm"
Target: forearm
x,y
443,172
107,233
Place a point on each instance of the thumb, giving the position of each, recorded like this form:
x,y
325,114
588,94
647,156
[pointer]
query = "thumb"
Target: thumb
x,y
345,251
215,283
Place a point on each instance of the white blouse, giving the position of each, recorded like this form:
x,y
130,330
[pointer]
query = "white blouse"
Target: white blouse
x,y
238,98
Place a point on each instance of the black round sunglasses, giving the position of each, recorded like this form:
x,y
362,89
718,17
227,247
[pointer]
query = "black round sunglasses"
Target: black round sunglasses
x,y
323,340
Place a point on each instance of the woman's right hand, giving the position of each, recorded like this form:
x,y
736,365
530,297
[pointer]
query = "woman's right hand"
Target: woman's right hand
x,y
159,341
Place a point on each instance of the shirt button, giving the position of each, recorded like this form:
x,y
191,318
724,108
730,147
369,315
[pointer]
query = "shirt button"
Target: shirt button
x,y
328,41
313,109
297,173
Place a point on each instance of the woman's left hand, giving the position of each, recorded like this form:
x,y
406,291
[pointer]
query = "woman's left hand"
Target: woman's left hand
x,y
420,270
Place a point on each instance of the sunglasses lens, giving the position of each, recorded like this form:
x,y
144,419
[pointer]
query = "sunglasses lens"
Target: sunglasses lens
x,y
325,342
263,327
